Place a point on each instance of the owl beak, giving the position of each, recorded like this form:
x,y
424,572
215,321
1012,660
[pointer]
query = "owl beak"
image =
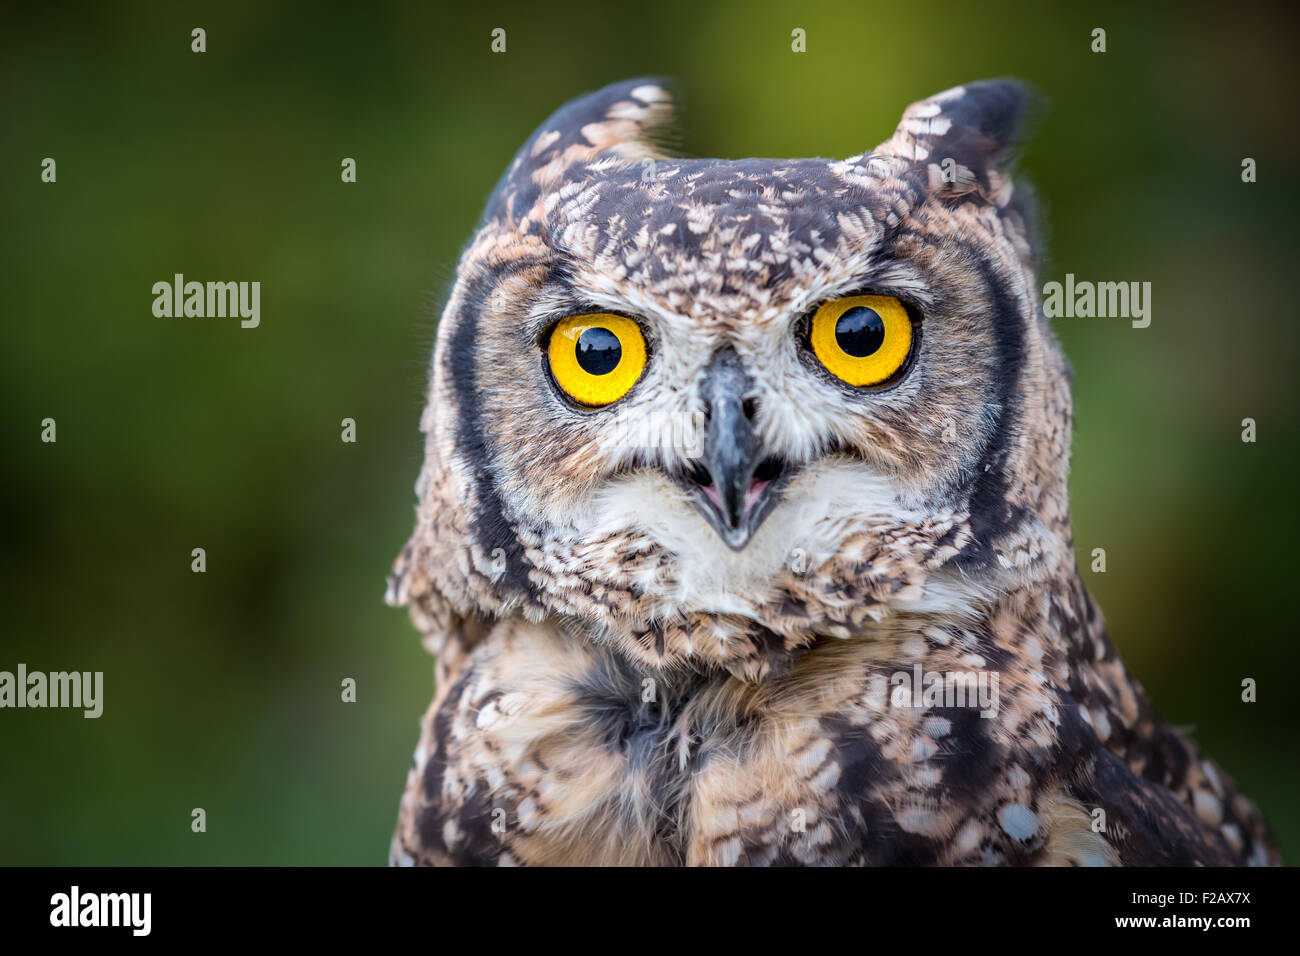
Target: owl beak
x,y
734,485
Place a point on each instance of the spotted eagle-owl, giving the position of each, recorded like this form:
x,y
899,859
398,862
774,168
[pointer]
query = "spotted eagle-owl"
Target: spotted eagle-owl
x,y
743,533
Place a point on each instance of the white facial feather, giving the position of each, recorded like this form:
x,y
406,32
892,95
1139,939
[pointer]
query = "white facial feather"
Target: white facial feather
x,y
822,504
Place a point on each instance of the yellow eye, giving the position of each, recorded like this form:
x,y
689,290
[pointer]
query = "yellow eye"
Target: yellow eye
x,y
862,339
596,358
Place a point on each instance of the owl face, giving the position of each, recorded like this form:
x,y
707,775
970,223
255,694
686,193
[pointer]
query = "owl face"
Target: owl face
x,y
686,402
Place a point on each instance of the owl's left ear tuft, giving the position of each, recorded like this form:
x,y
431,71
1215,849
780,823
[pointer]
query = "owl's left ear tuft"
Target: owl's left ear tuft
x,y
963,139
629,121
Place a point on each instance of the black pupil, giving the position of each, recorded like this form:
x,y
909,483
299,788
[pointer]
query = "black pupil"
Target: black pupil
x,y
860,331
599,351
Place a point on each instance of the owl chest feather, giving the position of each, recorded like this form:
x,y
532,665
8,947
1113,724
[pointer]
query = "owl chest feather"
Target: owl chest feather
x,y
543,749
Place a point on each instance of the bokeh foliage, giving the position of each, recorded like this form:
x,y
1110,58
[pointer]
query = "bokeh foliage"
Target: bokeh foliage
x,y
222,689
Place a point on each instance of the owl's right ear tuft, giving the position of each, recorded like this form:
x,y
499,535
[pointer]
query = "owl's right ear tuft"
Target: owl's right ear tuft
x,y
963,138
628,121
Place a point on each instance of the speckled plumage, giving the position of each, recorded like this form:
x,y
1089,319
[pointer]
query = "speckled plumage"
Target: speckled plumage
x,y
616,686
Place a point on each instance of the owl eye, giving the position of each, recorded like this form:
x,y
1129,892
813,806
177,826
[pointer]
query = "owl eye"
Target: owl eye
x,y
862,339
596,358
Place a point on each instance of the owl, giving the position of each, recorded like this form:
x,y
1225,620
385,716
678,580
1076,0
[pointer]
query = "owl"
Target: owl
x,y
743,534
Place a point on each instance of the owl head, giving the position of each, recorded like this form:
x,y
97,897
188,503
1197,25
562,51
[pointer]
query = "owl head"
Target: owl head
x,y
711,411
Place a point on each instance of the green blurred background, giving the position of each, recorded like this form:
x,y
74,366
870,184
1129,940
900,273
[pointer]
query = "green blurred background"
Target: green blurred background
x,y
223,689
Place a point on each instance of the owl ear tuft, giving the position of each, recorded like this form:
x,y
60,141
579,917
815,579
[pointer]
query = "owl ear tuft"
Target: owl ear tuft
x,y
963,138
628,121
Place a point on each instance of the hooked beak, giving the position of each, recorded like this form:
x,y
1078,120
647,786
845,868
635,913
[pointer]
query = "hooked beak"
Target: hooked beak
x,y
733,485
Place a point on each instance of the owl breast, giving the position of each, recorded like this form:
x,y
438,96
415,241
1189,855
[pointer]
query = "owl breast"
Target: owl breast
x,y
545,748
